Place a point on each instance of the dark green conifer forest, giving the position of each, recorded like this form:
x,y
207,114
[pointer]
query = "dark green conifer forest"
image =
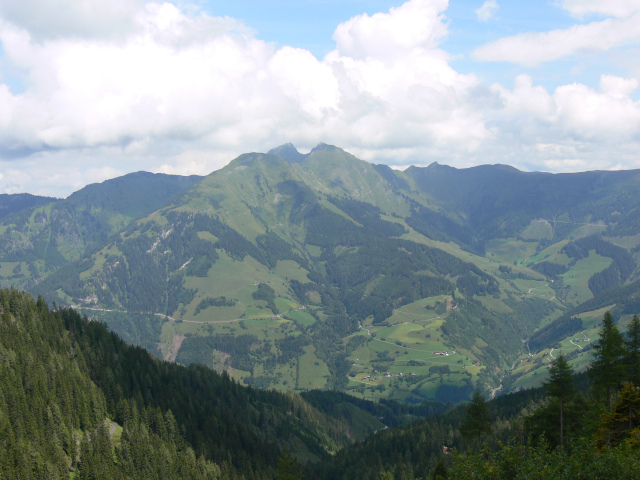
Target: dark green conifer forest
x,y
77,402
74,397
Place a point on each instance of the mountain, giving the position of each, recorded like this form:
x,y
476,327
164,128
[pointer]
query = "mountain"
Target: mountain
x,y
38,239
14,203
499,201
296,272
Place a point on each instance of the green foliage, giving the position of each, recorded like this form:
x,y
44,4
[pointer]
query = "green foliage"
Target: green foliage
x,y
438,226
560,386
477,421
64,231
556,330
339,405
10,204
60,375
288,468
214,302
266,293
607,369
619,423
47,400
347,240
539,463
632,356
549,269
368,216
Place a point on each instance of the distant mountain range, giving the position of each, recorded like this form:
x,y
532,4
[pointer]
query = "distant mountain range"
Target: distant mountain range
x,y
299,271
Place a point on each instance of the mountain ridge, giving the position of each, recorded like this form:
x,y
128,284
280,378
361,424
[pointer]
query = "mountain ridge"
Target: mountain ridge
x,y
332,271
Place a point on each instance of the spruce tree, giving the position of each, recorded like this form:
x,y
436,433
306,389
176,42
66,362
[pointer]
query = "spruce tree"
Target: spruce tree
x,y
477,421
607,369
632,356
288,468
560,386
622,419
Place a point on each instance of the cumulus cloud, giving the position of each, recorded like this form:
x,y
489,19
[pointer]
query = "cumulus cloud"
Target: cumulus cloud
x,y
415,24
608,116
573,128
487,10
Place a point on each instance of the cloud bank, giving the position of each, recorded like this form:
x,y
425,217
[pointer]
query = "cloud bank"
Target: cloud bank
x,y
113,87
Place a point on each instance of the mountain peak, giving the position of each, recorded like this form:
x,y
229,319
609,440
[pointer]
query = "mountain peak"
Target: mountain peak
x,y
323,146
289,152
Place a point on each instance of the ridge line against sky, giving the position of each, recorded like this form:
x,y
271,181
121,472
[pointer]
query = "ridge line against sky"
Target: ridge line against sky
x,y
90,90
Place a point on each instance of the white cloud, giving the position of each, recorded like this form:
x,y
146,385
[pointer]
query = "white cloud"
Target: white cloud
x,y
609,8
616,86
534,48
196,162
306,81
415,24
574,128
487,10
608,117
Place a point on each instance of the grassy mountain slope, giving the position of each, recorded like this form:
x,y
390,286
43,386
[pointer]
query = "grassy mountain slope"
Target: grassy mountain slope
x,y
304,271
269,270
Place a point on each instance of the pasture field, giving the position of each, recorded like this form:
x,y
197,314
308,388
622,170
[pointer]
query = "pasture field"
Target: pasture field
x,y
405,350
538,230
288,269
510,250
302,316
6,268
579,274
629,242
313,371
535,288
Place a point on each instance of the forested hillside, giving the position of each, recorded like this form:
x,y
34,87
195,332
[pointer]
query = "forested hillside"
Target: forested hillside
x,y
54,418
72,394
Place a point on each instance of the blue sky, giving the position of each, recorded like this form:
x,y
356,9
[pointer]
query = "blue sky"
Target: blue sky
x,y
310,25
90,89
303,24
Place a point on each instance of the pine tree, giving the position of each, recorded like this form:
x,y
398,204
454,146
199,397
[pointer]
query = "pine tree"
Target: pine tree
x,y
616,425
288,468
440,472
477,421
560,386
632,356
607,369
